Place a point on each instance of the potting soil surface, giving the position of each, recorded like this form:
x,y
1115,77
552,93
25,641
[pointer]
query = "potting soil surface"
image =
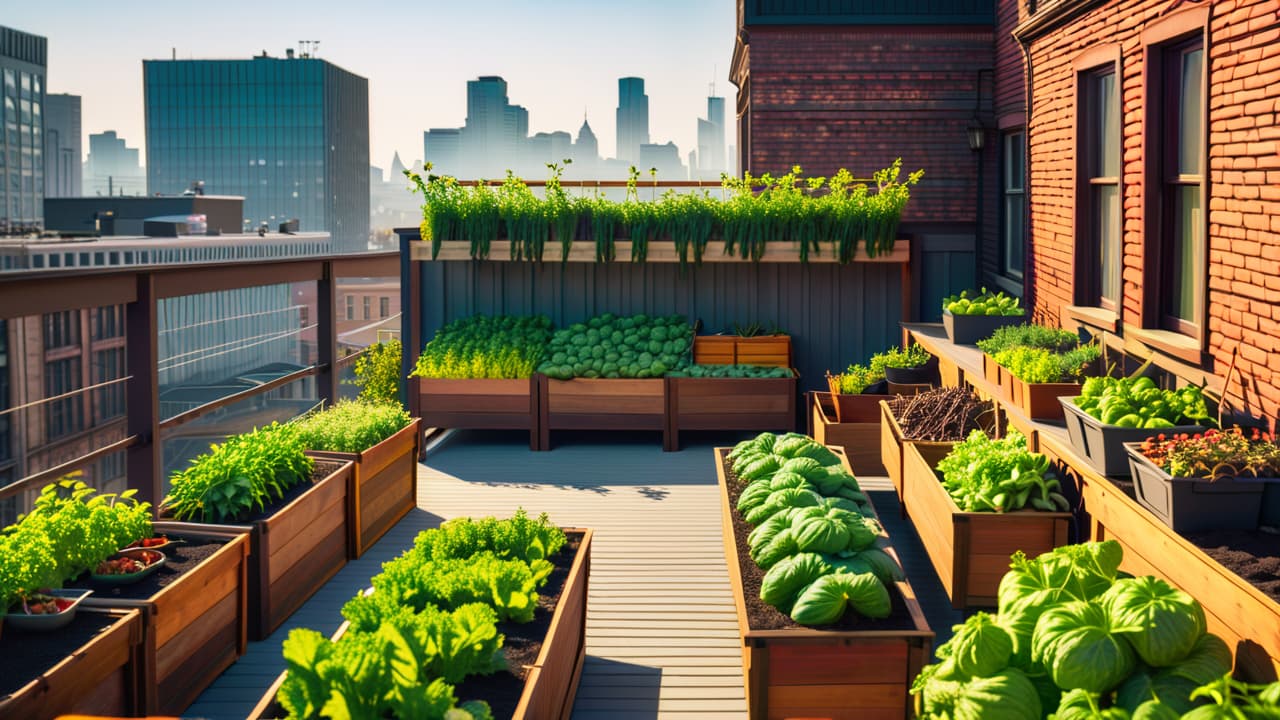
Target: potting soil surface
x,y
322,470
178,560
25,656
763,616
1254,555
522,643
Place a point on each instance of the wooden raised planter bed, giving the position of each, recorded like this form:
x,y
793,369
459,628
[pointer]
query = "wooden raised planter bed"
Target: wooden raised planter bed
x,y
834,674
384,486
602,404
893,451
1241,614
295,550
195,627
552,682
970,550
99,677
730,404
860,440
715,349
477,404
770,350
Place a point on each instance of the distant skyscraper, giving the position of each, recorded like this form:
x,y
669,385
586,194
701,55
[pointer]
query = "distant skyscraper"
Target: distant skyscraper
x,y
633,118
112,167
63,168
586,149
442,147
22,63
664,158
711,140
495,133
543,148
289,134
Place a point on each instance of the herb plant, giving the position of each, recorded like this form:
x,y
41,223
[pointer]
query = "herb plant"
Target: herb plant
x,y
1029,335
481,346
914,356
1037,365
378,372
854,380
239,476
352,426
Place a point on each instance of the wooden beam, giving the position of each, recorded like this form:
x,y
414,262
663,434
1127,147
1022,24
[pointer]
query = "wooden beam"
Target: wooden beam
x,y
143,459
36,294
193,280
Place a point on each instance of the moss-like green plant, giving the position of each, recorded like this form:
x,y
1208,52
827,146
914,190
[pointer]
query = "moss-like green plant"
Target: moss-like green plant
x,y
499,347
352,426
378,372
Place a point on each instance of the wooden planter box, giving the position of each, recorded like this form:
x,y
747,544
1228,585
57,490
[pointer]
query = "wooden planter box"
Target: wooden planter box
x,y
195,627
860,408
384,486
893,449
602,404
552,682
1039,400
476,404
970,550
860,440
295,551
730,404
770,350
715,349
999,378
836,675
101,677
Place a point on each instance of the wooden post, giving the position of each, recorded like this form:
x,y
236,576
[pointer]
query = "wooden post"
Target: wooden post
x,y
143,460
327,336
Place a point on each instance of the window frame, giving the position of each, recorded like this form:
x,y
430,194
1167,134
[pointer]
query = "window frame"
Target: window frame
x,y
1172,182
1088,68
1008,194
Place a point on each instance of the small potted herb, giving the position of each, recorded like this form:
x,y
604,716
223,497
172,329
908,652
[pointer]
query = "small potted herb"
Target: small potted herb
x,y
1207,481
1038,377
969,318
1025,335
857,393
913,366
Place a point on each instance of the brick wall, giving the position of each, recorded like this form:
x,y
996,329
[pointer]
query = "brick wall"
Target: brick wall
x,y
1243,60
858,97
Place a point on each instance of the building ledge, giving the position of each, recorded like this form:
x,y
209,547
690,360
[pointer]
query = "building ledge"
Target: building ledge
x,y
1095,319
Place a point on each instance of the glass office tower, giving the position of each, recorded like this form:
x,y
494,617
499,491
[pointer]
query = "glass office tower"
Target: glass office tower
x,y
22,71
289,134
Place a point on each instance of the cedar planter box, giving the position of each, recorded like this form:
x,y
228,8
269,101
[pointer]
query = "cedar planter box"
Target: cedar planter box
x,y
100,676
715,349
294,551
602,404
893,450
1102,446
834,674
1040,400
195,627
969,329
860,408
384,486
552,682
477,404
860,440
730,404
1194,504
970,550
1241,614
770,350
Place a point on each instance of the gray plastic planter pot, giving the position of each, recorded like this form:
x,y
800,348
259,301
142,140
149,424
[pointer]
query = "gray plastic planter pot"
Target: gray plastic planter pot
x,y
1103,445
1196,504
969,329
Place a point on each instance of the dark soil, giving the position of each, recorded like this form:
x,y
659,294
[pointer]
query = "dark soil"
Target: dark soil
x,y
762,616
1254,555
522,643
179,559
25,656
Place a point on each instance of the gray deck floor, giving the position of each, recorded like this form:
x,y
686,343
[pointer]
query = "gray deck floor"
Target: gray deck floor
x,y
661,628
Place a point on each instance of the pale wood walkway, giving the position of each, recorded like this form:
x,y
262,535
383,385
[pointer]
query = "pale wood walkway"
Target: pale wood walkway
x,y
661,627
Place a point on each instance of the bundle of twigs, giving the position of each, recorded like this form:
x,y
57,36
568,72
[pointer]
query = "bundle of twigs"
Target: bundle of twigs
x,y
944,414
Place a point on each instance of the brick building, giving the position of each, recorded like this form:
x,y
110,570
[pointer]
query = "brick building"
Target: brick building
x,y
1130,180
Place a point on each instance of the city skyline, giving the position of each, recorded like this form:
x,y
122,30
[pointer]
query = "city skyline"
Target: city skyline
x,y
411,89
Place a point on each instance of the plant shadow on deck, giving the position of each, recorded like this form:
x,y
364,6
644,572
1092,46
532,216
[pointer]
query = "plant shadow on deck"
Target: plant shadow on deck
x,y
587,461
621,691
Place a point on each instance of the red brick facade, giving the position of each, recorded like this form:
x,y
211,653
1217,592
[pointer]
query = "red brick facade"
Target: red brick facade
x,y
1242,43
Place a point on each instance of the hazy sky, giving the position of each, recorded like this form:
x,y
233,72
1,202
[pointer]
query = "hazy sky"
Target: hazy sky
x,y
558,57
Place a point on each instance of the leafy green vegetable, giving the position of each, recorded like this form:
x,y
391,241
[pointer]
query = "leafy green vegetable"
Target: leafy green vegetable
x,y
1137,402
732,371
986,475
825,600
1036,365
982,303
499,347
352,426
784,581
609,346
247,471
1163,623
979,647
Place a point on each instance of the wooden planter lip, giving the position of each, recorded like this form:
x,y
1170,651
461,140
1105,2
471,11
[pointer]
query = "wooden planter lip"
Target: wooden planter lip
x,y
578,573
128,621
903,587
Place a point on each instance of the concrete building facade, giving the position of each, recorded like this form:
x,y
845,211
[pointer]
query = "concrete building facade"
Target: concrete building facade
x,y
63,156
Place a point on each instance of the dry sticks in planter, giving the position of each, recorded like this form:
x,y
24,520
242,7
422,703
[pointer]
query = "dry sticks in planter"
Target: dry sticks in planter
x,y
941,415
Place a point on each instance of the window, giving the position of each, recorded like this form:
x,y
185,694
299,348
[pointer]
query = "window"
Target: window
x,y
61,329
384,307
65,415
1181,253
351,307
1013,224
108,402
107,322
366,302
1099,202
